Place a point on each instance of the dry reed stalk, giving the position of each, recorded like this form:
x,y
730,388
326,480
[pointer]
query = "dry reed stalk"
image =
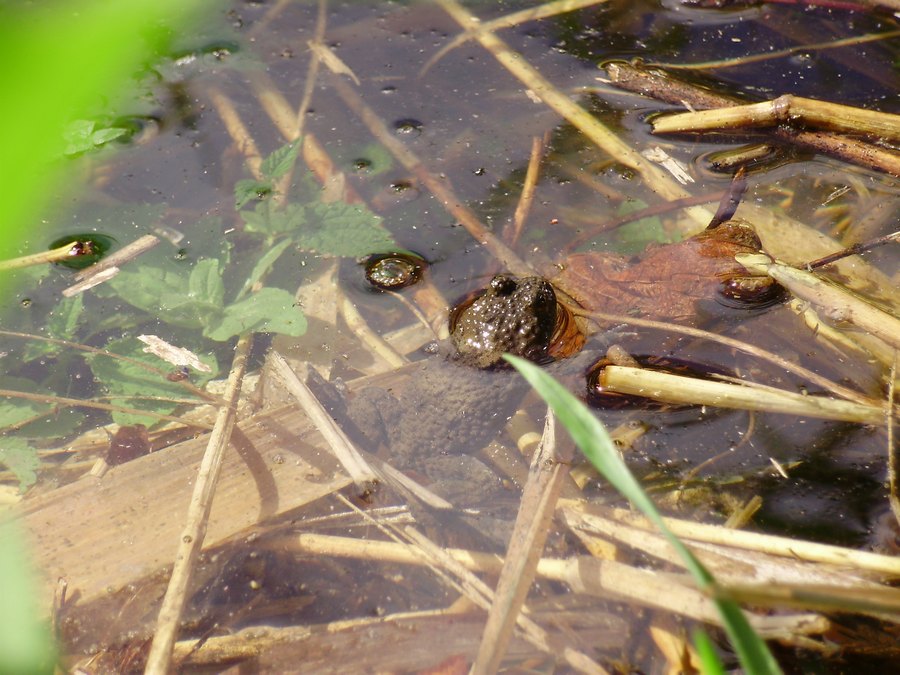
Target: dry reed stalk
x,y
42,258
343,448
663,87
746,347
859,344
477,591
191,540
795,549
680,389
787,109
835,302
656,179
583,574
549,468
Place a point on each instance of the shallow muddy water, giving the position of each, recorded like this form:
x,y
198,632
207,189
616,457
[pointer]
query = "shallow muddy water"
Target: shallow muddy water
x,y
402,153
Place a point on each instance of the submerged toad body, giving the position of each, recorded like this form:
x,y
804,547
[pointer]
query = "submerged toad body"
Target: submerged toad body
x,y
458,400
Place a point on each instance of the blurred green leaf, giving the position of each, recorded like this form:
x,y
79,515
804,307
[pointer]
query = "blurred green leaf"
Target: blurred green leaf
x,y
26,643
82,136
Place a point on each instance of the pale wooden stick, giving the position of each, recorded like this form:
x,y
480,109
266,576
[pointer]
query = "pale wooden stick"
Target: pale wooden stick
x,y
785,109
764,543
118,258
191,541
54,255
745,347
671,388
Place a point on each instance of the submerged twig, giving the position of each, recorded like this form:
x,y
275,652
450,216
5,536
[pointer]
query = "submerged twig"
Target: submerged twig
x,y
439,187
767,56
543,11
855,249
81,403
528,189
191,541
656,179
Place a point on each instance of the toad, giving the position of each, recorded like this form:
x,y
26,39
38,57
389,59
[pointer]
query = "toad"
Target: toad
x,y
458,399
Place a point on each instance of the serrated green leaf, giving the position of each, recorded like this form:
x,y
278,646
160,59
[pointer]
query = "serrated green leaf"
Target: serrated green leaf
x,y
269,310
280,162
341,229
180,298
62,322
246,190
20,458
271,221
122,380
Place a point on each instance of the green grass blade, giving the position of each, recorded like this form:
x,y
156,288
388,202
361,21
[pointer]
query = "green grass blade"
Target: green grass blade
x,y
594,441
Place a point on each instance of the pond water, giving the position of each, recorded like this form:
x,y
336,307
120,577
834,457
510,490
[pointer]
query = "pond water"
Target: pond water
x,y
402,151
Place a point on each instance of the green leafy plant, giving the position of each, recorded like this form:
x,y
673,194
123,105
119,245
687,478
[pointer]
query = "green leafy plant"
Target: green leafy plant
x,y
593,440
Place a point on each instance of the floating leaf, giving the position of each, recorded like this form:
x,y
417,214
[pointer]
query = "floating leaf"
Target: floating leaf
x,y
269,310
